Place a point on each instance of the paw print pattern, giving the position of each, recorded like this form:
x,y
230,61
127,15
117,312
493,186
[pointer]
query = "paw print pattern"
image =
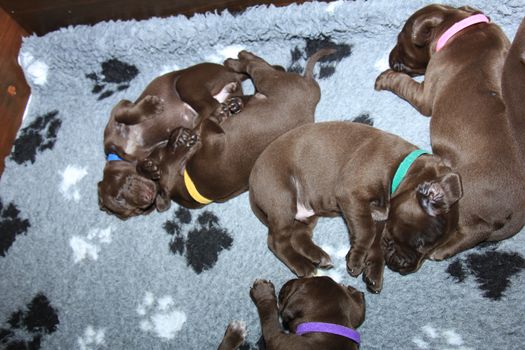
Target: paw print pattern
x,y
70,177
364,119
92,339
115,76
38,136
88,247
492,270
11,225
327,64
160,317
202,242
433,338
338,255
27,327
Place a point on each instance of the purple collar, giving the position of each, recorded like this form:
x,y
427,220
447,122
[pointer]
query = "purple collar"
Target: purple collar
x,y
322,327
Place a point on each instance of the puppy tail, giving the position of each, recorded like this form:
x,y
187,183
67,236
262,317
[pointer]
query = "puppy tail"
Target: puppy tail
x,y
308,72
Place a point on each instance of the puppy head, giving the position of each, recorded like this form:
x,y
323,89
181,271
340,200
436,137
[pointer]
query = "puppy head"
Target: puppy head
x,y
421,31
320,299
123,192
423,214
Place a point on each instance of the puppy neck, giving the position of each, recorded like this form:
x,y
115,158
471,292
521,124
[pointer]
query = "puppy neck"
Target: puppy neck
x,y
458,27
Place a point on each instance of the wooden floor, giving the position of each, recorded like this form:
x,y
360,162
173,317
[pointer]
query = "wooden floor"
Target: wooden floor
x,y
22,17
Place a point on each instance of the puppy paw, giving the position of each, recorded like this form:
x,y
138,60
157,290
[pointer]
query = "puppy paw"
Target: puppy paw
x,y
152,105
355,263
262,290
235,65
235,104
183,138
149,168
234,335
373,277
384,79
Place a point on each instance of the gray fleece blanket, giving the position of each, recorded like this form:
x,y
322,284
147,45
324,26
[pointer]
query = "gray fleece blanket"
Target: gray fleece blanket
x,y
73,277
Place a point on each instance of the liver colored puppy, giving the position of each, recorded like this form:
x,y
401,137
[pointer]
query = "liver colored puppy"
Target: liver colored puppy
x,y
470,127
178,99
513,86
346,168
217,159
233,337
313,304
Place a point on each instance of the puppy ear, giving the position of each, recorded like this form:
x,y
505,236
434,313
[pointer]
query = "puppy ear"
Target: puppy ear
x,y
436,197
469,9
358,308
422,29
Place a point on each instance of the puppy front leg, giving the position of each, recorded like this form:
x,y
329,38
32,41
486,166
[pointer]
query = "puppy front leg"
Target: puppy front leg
x,y
263,296
407,88
126,112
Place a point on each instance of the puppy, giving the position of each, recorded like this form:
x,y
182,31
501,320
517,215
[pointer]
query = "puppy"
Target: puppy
x,y
513,87
370,177
318,312
178,99
470,126
214,162
234,336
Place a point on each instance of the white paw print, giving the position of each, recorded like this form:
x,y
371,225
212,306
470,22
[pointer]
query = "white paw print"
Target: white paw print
x,y
88,247
433,338
338,255
70,177
92,339
160,316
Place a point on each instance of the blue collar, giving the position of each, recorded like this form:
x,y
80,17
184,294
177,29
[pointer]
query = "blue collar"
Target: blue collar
x,y
402,169
113,156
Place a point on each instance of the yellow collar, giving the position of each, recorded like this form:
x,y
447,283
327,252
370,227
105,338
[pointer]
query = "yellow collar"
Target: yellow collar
x,y
192,190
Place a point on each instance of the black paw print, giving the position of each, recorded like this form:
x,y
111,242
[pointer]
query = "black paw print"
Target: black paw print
x,y
27,327
115,76
38,136
492,270
364,119
202,243
327,64
11,225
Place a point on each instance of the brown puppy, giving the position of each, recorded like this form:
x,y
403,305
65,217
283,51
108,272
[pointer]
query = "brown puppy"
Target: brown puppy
x,y
346,168
470,128
233,337
177,99
513,87
221,156
307,300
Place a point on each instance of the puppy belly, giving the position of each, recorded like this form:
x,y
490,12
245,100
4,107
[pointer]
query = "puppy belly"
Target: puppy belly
x,y
225,92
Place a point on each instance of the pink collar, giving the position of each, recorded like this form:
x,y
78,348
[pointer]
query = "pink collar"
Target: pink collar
x,y
459,26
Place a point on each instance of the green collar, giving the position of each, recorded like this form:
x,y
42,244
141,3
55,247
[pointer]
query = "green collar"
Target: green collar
x,y
402,169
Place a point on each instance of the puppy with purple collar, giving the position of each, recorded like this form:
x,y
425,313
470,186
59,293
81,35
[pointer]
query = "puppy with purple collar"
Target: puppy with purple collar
x,y
318,313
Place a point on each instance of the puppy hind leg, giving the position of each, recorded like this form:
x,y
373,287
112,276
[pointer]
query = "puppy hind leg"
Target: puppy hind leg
x,y
280,243
302,242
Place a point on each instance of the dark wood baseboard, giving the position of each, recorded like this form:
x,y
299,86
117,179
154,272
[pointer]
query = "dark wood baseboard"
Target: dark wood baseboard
x,y
14,91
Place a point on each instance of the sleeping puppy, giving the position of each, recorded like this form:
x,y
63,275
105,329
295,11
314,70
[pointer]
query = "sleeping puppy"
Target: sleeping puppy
x,y
462,56
513,87
178,99
214,162
377,181
318,312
